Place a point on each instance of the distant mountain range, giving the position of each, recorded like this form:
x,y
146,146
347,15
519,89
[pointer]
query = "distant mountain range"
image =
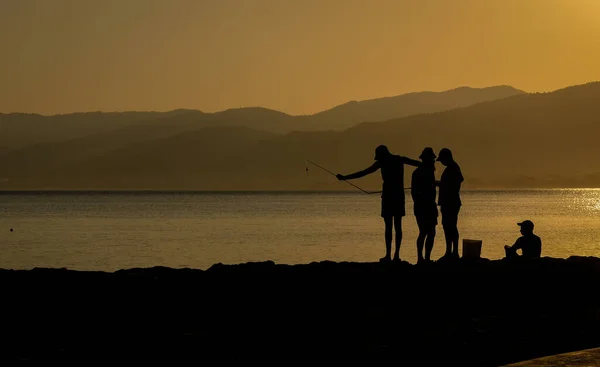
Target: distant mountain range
x,y
523,140
382,109
19,130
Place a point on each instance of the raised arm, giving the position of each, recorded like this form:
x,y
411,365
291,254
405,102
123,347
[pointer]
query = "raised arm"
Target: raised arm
x,y
374,167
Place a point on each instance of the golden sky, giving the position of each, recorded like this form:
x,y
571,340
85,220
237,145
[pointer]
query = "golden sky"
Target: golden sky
x,y
296,56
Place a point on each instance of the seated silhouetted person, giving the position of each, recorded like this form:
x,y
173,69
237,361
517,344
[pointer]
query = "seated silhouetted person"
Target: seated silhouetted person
x,y
528,243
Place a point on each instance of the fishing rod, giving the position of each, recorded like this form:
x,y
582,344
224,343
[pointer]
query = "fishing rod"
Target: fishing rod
x,y
348,182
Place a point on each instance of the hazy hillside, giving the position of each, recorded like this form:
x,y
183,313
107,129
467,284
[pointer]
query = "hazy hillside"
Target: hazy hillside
x,y
22,130
44,157
548,137
382,109
531,140
18,130
149,163
190,158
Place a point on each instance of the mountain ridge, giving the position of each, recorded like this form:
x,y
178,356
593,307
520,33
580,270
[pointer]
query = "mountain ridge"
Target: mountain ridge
x,y
19,130
257,107
528,140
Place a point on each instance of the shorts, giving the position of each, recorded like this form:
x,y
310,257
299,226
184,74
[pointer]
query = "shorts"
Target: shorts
x,y
450,215
426,215
393,207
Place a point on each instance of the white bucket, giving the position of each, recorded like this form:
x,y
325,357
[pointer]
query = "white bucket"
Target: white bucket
x,y
471,249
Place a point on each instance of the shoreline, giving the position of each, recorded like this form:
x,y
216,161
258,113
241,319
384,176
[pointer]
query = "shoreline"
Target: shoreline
x,y
13,191
479,313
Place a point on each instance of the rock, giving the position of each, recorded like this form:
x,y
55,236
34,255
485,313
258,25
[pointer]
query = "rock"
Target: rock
x,y
470,313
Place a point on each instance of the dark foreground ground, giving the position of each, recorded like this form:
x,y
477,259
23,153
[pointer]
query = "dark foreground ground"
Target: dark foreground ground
x,y
581,358
486,313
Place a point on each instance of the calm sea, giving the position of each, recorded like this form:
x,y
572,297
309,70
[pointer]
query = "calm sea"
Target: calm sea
x,y
110,231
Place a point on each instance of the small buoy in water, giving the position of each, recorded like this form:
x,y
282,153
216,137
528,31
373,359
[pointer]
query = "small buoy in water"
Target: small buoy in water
x,y
11,229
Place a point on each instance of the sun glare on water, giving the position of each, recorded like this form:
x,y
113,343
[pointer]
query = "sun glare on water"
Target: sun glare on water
x,y
588,199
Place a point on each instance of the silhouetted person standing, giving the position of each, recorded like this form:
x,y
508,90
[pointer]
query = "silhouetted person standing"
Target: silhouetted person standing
x,y
392,194
528,243
449,201
425,208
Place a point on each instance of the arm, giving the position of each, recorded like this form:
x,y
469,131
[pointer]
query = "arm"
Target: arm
x,y
411,162
518,244
515,246
374,167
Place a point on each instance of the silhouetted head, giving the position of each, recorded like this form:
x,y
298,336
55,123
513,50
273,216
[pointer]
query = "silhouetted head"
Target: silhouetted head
x,y
381,152
526,227
428,156
445,156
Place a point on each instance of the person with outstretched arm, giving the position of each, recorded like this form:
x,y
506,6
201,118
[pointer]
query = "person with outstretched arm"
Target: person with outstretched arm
x,y
392,194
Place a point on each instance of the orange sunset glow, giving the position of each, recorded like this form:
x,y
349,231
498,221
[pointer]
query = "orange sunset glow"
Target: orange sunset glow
x,y
299,57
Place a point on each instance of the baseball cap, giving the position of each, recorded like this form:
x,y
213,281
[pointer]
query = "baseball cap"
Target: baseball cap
x,y
445,152
526,224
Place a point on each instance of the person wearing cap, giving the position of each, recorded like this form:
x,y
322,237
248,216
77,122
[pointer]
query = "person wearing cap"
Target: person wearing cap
x,y
425,209
392,194
449,200
529,244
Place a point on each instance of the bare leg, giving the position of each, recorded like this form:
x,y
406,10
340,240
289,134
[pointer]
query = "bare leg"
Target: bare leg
x,y
398,228
455,234
455,241
420,241
388,237
449,236
420,244
510,252
429,243
450,224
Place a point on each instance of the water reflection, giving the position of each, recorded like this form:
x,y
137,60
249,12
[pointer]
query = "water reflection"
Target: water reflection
x,y
114,231
585,199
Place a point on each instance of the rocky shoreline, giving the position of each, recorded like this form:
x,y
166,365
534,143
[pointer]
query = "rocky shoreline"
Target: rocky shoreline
x,y
479,313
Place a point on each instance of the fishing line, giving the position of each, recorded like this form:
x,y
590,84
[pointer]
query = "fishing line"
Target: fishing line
x,y
348,182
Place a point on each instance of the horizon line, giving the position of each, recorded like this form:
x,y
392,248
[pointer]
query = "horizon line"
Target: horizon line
x,y
264,191
273,109
289,114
